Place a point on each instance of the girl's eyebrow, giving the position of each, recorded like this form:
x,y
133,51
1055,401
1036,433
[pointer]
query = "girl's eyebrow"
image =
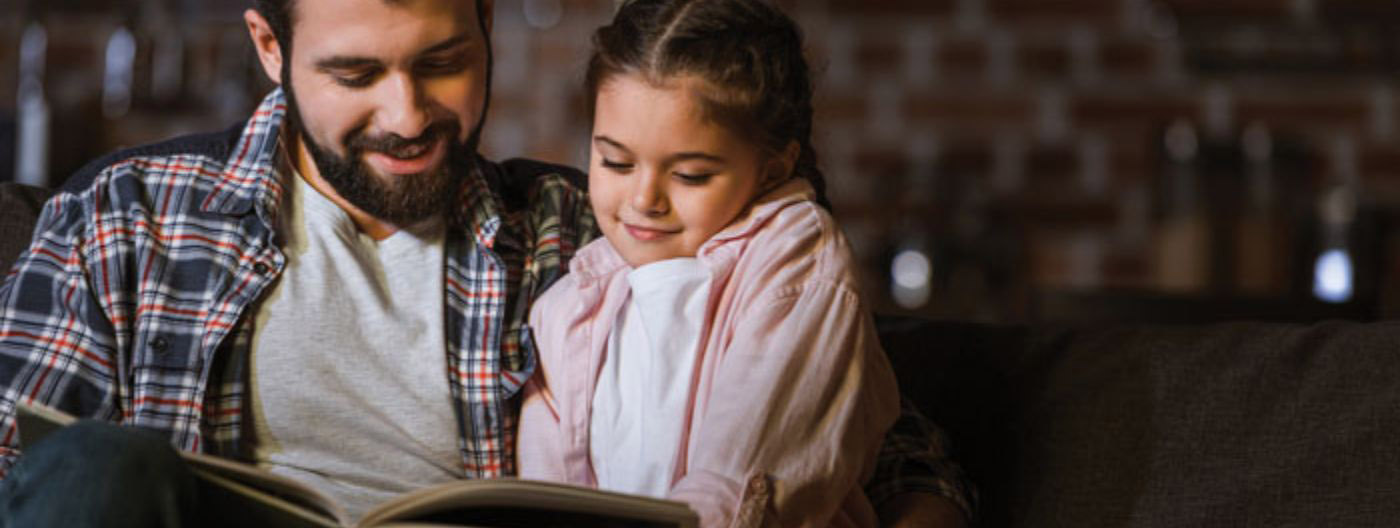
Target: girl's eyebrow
x,y
452,42
680,156
610,142
702,156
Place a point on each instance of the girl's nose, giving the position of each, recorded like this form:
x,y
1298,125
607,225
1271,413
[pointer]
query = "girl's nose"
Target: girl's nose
x,y
649,196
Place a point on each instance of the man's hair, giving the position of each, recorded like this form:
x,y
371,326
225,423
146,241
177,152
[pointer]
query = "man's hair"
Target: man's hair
x,y
278,14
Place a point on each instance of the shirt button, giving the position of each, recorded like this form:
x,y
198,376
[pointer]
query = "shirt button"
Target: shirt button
x,y
261,269
160,345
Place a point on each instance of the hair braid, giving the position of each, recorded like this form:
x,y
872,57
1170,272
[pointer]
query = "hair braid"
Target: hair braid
x,y
749,54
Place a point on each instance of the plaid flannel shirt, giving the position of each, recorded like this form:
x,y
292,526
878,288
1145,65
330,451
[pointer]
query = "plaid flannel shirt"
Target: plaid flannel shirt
x,y
135,301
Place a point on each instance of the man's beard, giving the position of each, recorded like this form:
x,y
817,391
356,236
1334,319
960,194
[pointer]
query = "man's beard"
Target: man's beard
x,y
403,199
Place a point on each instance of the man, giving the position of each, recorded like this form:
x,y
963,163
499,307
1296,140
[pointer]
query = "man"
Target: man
x,y
283,293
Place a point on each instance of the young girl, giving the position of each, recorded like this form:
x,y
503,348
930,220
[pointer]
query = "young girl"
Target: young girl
x,y
713,348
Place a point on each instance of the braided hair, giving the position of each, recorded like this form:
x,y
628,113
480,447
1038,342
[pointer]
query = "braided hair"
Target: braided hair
x,y
748,54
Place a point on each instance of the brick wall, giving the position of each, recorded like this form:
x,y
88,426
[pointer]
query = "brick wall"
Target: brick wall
x,y
1027,148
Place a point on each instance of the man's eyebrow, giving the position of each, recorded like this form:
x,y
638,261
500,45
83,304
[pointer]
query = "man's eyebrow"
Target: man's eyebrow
x,y
347,62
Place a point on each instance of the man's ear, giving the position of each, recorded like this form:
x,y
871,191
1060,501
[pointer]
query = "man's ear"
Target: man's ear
x,y
265,44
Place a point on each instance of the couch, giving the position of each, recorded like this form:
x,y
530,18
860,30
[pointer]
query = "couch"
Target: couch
x,y
1230,425
1240,424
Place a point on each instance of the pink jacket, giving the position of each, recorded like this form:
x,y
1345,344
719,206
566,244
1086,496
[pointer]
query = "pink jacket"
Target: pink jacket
x,y
793,394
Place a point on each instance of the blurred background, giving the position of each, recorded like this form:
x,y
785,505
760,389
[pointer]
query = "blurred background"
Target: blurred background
x,y
1066,161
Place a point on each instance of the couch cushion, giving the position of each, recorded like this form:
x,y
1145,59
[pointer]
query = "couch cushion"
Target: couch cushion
x,y
1244,424
19,209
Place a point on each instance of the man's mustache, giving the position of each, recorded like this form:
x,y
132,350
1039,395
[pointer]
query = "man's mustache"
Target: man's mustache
x,y
399,146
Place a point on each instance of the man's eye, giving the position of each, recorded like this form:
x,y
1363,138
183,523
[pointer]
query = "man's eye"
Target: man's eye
x,y
615,165
354,80
443,65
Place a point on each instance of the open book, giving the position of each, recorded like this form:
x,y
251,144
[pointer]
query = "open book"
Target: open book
x,y
273,500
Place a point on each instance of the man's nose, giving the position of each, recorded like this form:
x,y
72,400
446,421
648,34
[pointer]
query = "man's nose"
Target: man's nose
x,y
649,194
403,108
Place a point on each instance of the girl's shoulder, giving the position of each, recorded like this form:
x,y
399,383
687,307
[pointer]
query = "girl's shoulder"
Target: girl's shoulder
x,y
550,306
591,272
801,242
788,215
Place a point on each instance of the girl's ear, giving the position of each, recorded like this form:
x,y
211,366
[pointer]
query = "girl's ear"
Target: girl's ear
x,y
780,167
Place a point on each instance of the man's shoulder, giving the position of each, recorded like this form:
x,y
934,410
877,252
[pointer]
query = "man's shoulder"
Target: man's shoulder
x,y
528,184
529,170
207,148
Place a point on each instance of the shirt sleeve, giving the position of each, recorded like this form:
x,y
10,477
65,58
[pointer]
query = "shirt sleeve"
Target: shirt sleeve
x,y
915,458
797,408
56,344
541,449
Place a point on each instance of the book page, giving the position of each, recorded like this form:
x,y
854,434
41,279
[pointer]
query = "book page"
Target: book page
x,y
267,483
512,501
496,502
298,500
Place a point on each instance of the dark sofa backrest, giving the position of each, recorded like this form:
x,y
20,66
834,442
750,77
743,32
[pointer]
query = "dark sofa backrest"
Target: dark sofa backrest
x,y
1243,424
19,209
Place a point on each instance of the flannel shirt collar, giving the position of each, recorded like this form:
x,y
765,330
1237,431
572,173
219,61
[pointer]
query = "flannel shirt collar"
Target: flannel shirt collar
x,y
250,176
480,207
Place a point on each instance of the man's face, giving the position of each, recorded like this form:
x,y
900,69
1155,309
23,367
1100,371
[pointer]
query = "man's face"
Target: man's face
x,y
388,96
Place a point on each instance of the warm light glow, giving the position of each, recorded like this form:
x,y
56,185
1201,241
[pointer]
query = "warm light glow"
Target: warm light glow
x,y
911,274
1332,276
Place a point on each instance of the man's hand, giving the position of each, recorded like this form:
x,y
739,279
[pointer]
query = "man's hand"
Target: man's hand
x,y
921,510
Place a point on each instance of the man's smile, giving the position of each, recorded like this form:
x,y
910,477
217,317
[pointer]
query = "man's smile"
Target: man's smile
x,y
412,159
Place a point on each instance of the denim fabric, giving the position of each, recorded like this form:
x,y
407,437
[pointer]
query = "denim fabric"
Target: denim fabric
x,y
98,474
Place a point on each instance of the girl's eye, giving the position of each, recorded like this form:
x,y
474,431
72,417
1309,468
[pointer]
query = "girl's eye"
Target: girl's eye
x,y
617,166
443,65
694,179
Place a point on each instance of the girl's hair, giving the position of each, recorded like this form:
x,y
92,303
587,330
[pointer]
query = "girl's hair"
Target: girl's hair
x,y
747,53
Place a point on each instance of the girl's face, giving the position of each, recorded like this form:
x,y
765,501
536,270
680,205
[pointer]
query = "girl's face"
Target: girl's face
x,y
662,178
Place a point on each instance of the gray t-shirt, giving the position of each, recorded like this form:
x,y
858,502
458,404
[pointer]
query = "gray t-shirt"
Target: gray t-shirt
x,y
349,383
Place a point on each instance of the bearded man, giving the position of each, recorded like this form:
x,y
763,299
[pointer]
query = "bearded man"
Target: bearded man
x,y
335,290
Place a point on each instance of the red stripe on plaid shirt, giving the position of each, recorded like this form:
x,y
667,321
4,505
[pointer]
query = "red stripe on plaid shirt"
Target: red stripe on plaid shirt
x,y
469,374
141,226
173,168
249,131
53,358
491,293
168,402
61,343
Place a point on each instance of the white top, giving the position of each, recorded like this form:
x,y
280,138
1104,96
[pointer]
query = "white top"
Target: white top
x,y
639,405
348,363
